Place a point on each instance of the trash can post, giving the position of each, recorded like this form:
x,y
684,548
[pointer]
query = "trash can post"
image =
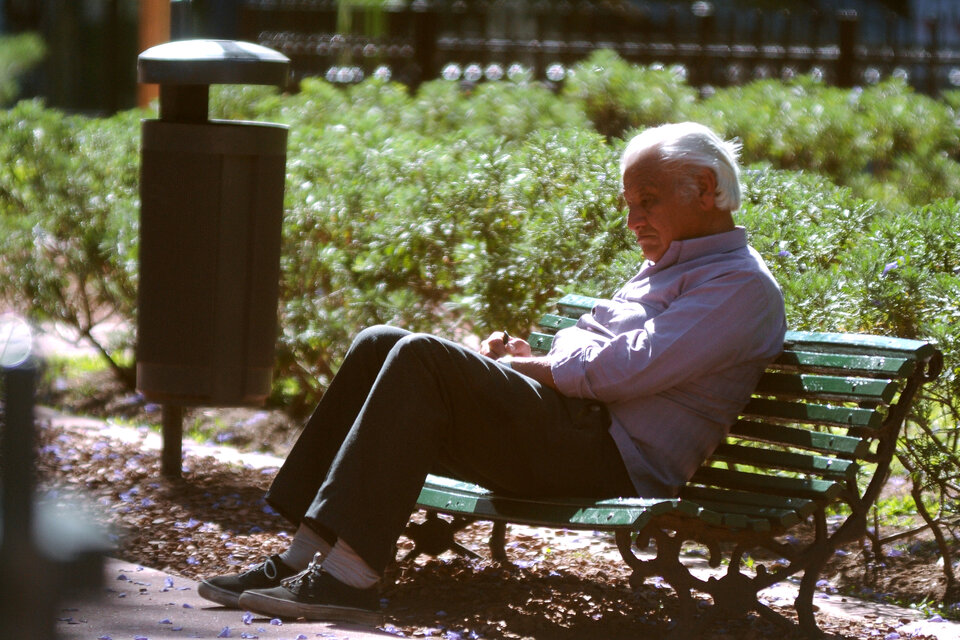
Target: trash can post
x,y
211,207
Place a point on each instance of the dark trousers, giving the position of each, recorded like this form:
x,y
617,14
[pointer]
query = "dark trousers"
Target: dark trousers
x,y
404,405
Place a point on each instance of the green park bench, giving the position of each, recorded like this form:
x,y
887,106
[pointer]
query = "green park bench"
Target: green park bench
x,y
819,432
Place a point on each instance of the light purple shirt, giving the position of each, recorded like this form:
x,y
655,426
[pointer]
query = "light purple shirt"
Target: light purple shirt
x,y
676,354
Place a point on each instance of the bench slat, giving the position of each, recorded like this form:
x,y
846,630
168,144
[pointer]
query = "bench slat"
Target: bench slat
x,y
754,518
779,517
846,446
451,496
574,305
832,468
846,363
810,413
732,499
778,485
540,342
553,322
842,389
855,342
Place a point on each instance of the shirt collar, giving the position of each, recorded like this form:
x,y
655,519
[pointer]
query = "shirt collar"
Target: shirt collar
x,y
693,248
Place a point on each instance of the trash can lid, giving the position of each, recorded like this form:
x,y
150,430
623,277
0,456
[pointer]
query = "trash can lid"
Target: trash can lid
x,y
212,62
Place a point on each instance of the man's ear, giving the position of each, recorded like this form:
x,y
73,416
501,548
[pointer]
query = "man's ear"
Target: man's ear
x,y
706,181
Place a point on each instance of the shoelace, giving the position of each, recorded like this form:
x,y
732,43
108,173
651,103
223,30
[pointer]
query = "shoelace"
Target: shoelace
x,y
307,575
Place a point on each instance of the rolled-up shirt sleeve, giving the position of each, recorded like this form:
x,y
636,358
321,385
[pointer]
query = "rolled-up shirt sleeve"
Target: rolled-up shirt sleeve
x,y
722,320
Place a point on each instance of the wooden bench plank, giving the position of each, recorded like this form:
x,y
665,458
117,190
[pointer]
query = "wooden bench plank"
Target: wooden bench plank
x,y
821,387
574,305
846,446
540,342
824,467
745,521
732,500
452,496
812,413
855,342
846,363
552,322
812,488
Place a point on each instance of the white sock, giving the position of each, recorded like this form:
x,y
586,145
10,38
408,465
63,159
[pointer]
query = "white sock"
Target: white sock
x,y
345,565
305,544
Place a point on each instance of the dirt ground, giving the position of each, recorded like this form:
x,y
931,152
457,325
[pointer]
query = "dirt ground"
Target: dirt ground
x,y
215,520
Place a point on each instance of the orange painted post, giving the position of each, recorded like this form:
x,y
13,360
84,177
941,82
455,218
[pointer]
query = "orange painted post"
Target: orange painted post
x,y
154,30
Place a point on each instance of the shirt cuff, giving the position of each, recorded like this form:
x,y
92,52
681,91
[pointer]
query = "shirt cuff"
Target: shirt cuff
x,y
570,376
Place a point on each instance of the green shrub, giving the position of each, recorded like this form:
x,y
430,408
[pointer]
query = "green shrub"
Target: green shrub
x,y
68,220
618,96
18,54
466,211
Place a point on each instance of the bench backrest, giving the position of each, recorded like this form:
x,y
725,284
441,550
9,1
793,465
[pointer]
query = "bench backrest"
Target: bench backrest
x,y
825,414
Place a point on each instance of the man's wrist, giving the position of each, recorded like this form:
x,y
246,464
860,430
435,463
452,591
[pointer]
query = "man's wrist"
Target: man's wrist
x,y
506,360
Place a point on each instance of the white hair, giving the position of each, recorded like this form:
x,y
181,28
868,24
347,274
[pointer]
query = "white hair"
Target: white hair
x,y
685,147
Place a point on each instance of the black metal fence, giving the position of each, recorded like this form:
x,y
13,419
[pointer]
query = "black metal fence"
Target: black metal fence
x,y
478,40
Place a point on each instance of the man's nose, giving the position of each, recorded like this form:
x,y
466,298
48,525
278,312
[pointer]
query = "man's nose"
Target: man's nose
x,y
635,218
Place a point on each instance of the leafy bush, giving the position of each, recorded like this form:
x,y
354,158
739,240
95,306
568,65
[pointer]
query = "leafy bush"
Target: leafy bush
x,y
618,96
453,211
18,54
886,142
68,220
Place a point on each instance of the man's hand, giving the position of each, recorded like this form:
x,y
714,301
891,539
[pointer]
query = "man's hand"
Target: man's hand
x,y
500,344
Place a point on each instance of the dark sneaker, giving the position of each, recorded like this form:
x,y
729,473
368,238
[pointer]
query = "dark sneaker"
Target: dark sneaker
x,y
315,595
226,589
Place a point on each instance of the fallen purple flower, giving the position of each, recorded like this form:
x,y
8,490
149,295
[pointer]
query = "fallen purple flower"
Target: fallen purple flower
x,y
247,618
166,621
225,633
168,582
277,622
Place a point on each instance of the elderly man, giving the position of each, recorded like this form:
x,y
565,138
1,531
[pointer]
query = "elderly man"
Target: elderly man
x,y
628,402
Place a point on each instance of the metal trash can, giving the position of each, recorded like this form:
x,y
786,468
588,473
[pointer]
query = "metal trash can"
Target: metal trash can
x,y
211,210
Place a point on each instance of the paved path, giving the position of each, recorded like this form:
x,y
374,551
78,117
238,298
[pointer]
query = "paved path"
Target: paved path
x,y
143,603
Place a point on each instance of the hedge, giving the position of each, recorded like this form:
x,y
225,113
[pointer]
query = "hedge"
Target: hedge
x,y
459,212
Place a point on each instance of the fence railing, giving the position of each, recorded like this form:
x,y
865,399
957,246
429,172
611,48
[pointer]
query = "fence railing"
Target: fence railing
x,y
477,40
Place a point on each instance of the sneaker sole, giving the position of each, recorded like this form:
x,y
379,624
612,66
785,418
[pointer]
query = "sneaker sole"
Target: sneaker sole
x,y
282,608
214,593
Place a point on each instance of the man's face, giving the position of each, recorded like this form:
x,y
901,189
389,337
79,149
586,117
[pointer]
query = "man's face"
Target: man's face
x,y
658,214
